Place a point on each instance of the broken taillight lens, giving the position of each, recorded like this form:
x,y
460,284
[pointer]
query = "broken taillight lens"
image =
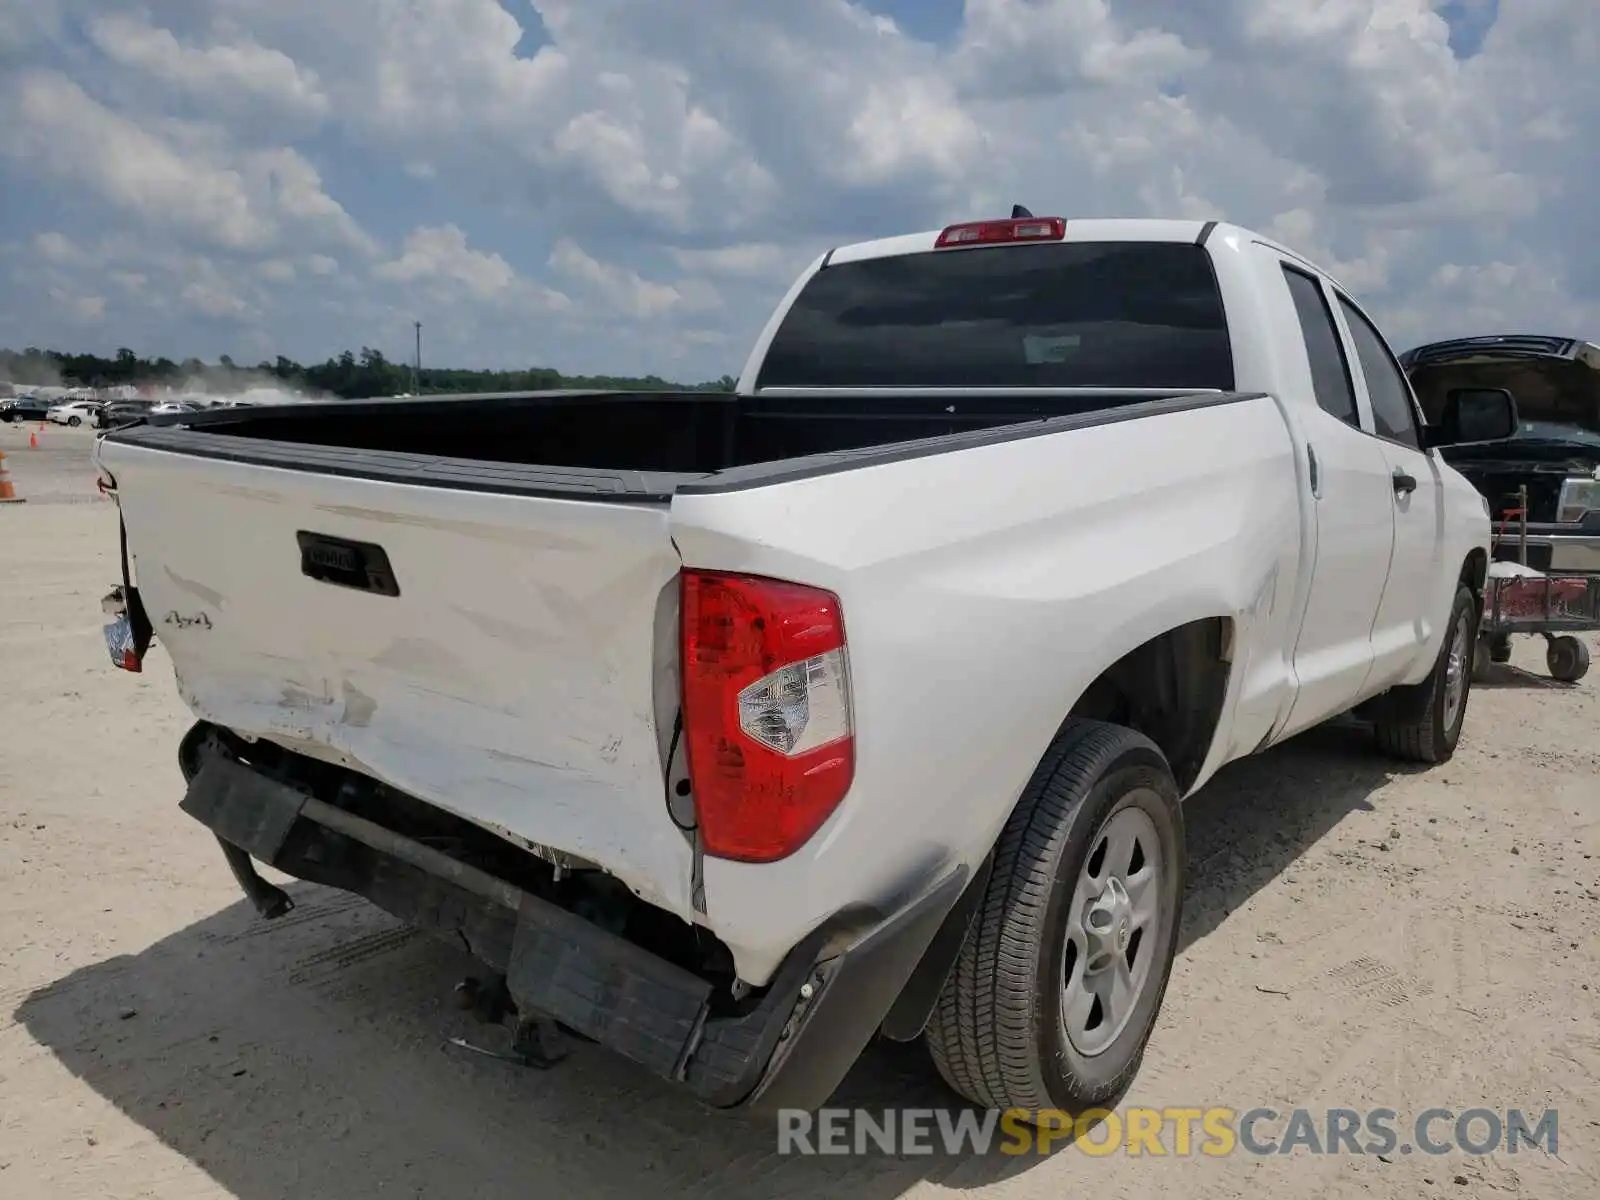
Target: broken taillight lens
x,y
120,642
767,715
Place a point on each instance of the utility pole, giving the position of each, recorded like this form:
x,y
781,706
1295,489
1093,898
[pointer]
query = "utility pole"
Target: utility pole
x,y
416,371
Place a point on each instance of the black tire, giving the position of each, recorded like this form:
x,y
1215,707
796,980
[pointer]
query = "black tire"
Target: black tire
x,y
1418,723
997,1034
74,421
1567,659
1500,648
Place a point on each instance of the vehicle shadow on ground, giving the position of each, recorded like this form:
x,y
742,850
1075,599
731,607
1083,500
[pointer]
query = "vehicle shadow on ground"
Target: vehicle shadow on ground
x,y
307,1055
1504,675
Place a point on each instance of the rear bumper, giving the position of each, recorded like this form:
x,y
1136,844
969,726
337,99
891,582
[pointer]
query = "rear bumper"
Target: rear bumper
x,y
789,1051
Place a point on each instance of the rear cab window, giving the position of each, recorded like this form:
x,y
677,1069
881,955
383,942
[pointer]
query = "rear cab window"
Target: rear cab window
x,y
1055,315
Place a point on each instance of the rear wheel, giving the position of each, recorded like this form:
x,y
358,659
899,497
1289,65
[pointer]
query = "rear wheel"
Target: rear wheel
x,y
74,421
1422,722
1057,986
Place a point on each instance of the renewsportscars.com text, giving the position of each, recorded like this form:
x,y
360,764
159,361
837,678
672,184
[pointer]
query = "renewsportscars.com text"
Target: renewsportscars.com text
x,y
1176,1132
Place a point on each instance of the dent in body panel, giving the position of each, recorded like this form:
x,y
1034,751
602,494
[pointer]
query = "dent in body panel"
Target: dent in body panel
x,y
332,718
411,656
295,697
566,802
310,709
359,708
197,590
514,803
513,633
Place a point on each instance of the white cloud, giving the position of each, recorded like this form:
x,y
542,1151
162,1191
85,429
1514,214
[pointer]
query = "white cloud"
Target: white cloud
x,y
168,173
214,299
1042,47
442,254
53,247
672,167
90,307
759,262
625,291
220,72
25,26
53,126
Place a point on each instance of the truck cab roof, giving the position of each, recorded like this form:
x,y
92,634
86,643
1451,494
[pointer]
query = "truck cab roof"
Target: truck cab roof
x,y
1215,234
1142,304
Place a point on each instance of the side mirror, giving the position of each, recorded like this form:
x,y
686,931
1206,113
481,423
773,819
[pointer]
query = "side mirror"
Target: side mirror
x,y
1475,415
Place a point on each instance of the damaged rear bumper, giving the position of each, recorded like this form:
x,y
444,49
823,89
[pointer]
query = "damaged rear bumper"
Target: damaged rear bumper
x,y
791,1050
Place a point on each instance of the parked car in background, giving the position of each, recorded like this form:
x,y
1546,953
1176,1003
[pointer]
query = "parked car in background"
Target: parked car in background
x,y
24,408
74,412
1554,451
120,412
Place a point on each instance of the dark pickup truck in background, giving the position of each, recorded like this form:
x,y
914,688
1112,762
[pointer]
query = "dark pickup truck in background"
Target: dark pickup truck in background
x,y
1555,452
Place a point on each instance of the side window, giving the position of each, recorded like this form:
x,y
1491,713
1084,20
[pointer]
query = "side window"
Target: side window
x,y
1330,370
1393,413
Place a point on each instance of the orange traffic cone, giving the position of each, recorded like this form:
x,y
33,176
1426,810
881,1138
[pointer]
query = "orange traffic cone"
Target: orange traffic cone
x,y
33,441
8,492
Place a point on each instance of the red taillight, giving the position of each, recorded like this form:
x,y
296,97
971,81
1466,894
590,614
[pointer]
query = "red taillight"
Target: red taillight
x,y
988,233
766,712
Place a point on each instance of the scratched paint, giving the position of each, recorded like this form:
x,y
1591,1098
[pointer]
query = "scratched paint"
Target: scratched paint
x,y
359,707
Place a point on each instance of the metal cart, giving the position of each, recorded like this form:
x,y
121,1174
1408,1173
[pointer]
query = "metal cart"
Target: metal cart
x,y
1553,604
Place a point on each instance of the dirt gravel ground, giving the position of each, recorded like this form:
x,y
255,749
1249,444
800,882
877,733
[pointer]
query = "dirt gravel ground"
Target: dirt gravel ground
x,y
1356,936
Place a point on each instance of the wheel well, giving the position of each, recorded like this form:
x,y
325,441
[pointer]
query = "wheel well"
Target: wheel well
x,y
1170,689
1475,572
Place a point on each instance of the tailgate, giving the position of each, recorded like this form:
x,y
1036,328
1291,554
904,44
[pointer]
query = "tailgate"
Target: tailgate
x,y
508,675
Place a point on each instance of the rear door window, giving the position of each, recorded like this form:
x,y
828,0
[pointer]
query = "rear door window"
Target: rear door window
x,y
1092,314
1330,369
1393,412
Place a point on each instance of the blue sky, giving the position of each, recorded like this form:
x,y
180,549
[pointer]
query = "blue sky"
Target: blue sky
x,y
621,185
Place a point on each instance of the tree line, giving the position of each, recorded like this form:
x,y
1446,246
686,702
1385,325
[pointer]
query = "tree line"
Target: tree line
x,y
350,376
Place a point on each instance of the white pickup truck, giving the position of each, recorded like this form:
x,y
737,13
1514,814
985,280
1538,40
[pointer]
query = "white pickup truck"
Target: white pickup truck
x,y
732,731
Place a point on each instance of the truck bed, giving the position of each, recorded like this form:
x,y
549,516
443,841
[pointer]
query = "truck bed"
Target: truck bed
x,y
631,446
